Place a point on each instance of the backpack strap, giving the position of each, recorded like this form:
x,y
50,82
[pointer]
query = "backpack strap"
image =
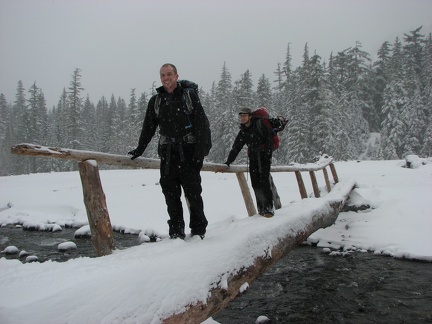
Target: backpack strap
x,y
157,104
186,97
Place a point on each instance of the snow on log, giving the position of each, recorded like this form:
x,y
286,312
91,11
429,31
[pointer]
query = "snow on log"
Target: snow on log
x,y
220,297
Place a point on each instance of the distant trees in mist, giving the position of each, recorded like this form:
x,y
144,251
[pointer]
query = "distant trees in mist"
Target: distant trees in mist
x,y
332,108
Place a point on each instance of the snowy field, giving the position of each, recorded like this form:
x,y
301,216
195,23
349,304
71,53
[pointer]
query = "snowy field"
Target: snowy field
x,y
147,283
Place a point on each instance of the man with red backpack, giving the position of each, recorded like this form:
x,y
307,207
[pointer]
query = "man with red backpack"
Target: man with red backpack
x,y
259,140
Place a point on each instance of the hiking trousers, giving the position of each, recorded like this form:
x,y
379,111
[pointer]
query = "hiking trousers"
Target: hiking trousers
x,y
259,169
179,171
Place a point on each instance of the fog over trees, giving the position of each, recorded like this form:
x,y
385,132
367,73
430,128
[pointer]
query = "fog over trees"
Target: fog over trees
x,y
333,107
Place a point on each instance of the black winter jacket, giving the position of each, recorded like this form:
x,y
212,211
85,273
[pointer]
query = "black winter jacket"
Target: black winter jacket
x,y
173,120
257,137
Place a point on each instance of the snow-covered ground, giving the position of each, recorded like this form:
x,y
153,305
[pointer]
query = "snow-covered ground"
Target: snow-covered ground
x,y
148,282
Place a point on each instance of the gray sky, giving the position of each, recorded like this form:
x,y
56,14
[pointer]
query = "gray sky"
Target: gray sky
x,y
121,44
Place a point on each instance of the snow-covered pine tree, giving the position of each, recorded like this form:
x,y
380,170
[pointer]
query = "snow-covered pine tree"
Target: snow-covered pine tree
x,y
224,126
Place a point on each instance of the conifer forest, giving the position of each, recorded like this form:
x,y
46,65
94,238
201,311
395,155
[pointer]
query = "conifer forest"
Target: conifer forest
x,y
333,107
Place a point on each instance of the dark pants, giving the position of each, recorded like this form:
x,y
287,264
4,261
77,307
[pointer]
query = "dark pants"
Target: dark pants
x,y
182,172
259,169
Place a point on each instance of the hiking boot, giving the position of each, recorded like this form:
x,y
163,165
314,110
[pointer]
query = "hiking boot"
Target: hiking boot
x,y
177,235
267,215
193,233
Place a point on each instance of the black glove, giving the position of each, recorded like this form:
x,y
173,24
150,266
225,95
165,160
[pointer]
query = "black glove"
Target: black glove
x,y
228,164
135,153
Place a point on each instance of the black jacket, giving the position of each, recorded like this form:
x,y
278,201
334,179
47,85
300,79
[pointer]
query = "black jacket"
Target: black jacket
x,y
257,137
173,119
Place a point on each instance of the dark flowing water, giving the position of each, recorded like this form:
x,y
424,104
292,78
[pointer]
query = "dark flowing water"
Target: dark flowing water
x,y
307,286
44,244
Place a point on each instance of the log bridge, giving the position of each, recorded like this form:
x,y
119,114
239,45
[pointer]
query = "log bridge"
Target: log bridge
x,y
102,233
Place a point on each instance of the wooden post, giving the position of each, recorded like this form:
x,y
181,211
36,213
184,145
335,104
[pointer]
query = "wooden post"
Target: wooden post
x,y
246,194
314,184
333,171
326,178
301,185
276,199
97,211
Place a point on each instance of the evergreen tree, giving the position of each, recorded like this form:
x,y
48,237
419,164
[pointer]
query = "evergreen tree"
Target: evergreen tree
x,y
395,100
427,81
90,124
279,92
61,121
74,106
287,64
264,93
114,126
37,124
298,128
243,95
20,131
380,79
209,104
123,127
225,127
6,138
104,133
316,97
135,121
415,113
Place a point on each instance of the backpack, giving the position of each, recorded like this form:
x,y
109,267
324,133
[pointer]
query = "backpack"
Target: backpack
x,y
274,124
189,86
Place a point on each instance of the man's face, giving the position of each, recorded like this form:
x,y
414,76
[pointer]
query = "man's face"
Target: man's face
x,y
168,78
245,118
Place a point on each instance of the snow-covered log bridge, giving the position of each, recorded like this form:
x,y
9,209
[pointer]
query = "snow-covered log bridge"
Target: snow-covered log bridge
x,y
285,232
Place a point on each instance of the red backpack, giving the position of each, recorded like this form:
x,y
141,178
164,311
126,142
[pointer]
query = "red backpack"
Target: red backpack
x,y
274,124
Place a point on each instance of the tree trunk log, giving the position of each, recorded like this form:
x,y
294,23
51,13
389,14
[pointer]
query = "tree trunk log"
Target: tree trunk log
x,y
250,207
97,211
219,298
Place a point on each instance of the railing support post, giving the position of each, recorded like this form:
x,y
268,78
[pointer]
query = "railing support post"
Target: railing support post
x,y
246,194
301,185
333,171
97,211
276,198
326,178
314,184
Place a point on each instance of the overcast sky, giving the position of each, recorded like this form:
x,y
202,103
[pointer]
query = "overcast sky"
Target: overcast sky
x,y
121,44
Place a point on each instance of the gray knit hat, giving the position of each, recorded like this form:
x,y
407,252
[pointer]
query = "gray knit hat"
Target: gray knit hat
x,y
245,111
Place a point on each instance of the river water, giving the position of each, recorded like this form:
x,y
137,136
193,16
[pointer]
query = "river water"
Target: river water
x,y
306,286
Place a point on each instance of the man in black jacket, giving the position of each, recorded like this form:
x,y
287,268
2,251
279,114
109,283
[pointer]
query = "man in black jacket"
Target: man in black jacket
x,y
181,149
259,140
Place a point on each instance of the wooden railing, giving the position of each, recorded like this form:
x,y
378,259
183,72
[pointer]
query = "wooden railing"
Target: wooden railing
x,y
94,197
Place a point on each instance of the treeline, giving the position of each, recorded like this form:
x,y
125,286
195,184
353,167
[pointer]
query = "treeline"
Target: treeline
x,y
333,106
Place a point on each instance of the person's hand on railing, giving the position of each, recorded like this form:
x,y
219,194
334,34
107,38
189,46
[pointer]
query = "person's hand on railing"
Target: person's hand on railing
x,y
135,153
221,168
